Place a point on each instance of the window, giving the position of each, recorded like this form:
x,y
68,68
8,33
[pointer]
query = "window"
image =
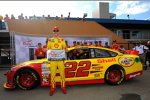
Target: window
x,y
100,53
126,34
136,35
78,54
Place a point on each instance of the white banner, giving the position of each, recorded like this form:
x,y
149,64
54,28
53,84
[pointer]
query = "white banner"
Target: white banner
x,y
24,44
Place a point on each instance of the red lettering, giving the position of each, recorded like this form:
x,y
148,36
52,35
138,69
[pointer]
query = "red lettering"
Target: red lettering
x,y
106,60
70,71
82,71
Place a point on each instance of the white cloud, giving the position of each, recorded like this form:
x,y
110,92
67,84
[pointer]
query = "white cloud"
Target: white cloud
x,y
131,7
39,8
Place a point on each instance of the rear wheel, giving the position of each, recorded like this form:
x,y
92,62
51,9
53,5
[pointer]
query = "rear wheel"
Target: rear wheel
x,y
27,79
114,76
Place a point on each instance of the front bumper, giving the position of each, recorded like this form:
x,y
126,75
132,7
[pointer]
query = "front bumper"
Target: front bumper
x,y
8,86
10,80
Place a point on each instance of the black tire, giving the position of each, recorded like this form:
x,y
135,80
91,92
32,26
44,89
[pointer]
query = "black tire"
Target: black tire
x,y
114,75
27,79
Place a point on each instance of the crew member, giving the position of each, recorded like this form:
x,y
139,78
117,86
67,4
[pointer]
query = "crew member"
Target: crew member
x,y
115,46
39,52
57,43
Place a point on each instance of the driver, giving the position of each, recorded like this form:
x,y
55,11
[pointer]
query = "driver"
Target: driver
x,y
57,43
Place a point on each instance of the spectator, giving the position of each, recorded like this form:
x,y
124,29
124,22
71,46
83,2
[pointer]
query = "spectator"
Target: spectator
x,y
43,17
68,15
6,18
34,17
96,43
26,17
67,44
100,44
78,44
122,49
115,46
39,52
45,47
148,53
106,45
142,54
48,17
85,43
74,44
1,18
84,15
12,16
90,44
21,16
61,17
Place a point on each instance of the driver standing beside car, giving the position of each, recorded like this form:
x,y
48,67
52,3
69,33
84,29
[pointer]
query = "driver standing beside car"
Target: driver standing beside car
x,y
57,43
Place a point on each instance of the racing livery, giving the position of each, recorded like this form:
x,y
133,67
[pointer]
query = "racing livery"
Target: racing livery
x,y
84,65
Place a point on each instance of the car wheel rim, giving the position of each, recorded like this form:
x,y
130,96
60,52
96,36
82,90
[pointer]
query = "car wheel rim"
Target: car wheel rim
x,y
27,80
114,76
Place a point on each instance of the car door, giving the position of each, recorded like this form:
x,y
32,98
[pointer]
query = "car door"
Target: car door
x,y
78,65
101,59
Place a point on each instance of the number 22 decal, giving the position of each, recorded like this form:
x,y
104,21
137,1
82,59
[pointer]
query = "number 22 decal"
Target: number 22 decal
x,y
82,71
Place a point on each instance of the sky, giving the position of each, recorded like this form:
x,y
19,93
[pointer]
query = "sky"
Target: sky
x,y
135,9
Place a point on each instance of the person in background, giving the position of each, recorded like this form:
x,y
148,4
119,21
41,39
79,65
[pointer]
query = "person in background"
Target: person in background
x,y
26,17
21,16
39,52
90,44
122,49
115,46
68,15
48,17
6,18
12,16
142,53
1,18
61,17
85,43
57,43
67,44
45,47
43,17
106,45
148,53
78,44
100,44
74,44
96,43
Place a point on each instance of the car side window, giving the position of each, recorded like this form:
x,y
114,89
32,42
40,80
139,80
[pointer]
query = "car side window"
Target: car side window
x,y
99,53
77,54
113,54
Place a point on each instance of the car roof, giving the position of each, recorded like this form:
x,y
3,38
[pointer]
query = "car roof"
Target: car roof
x,y
85,47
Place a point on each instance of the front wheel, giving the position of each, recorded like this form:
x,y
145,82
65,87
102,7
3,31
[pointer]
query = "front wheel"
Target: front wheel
x,y
27,79
114,76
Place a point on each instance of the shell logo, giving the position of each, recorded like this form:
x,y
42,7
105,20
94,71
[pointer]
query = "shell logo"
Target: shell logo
x,y
126,61
56,45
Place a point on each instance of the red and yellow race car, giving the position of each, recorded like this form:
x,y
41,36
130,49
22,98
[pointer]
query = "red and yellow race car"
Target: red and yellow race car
x,y
84,65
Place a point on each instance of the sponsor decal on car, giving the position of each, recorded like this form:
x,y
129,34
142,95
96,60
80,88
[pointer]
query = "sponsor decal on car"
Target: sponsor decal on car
x,y
126,61
106,60
134,75
97,67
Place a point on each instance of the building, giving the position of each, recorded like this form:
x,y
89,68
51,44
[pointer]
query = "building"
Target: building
x,y
102,11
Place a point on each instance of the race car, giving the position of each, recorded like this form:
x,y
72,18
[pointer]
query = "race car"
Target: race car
x,y
83,65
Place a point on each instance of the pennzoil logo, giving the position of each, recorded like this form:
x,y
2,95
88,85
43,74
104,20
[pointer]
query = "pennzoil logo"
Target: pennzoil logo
x,y
126,61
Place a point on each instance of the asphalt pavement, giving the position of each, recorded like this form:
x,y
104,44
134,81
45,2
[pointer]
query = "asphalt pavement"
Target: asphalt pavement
x,y
137,88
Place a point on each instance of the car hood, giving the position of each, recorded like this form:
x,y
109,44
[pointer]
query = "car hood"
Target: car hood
x,y
27,63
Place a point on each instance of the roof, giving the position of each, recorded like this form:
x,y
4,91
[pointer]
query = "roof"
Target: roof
x,y
120,23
